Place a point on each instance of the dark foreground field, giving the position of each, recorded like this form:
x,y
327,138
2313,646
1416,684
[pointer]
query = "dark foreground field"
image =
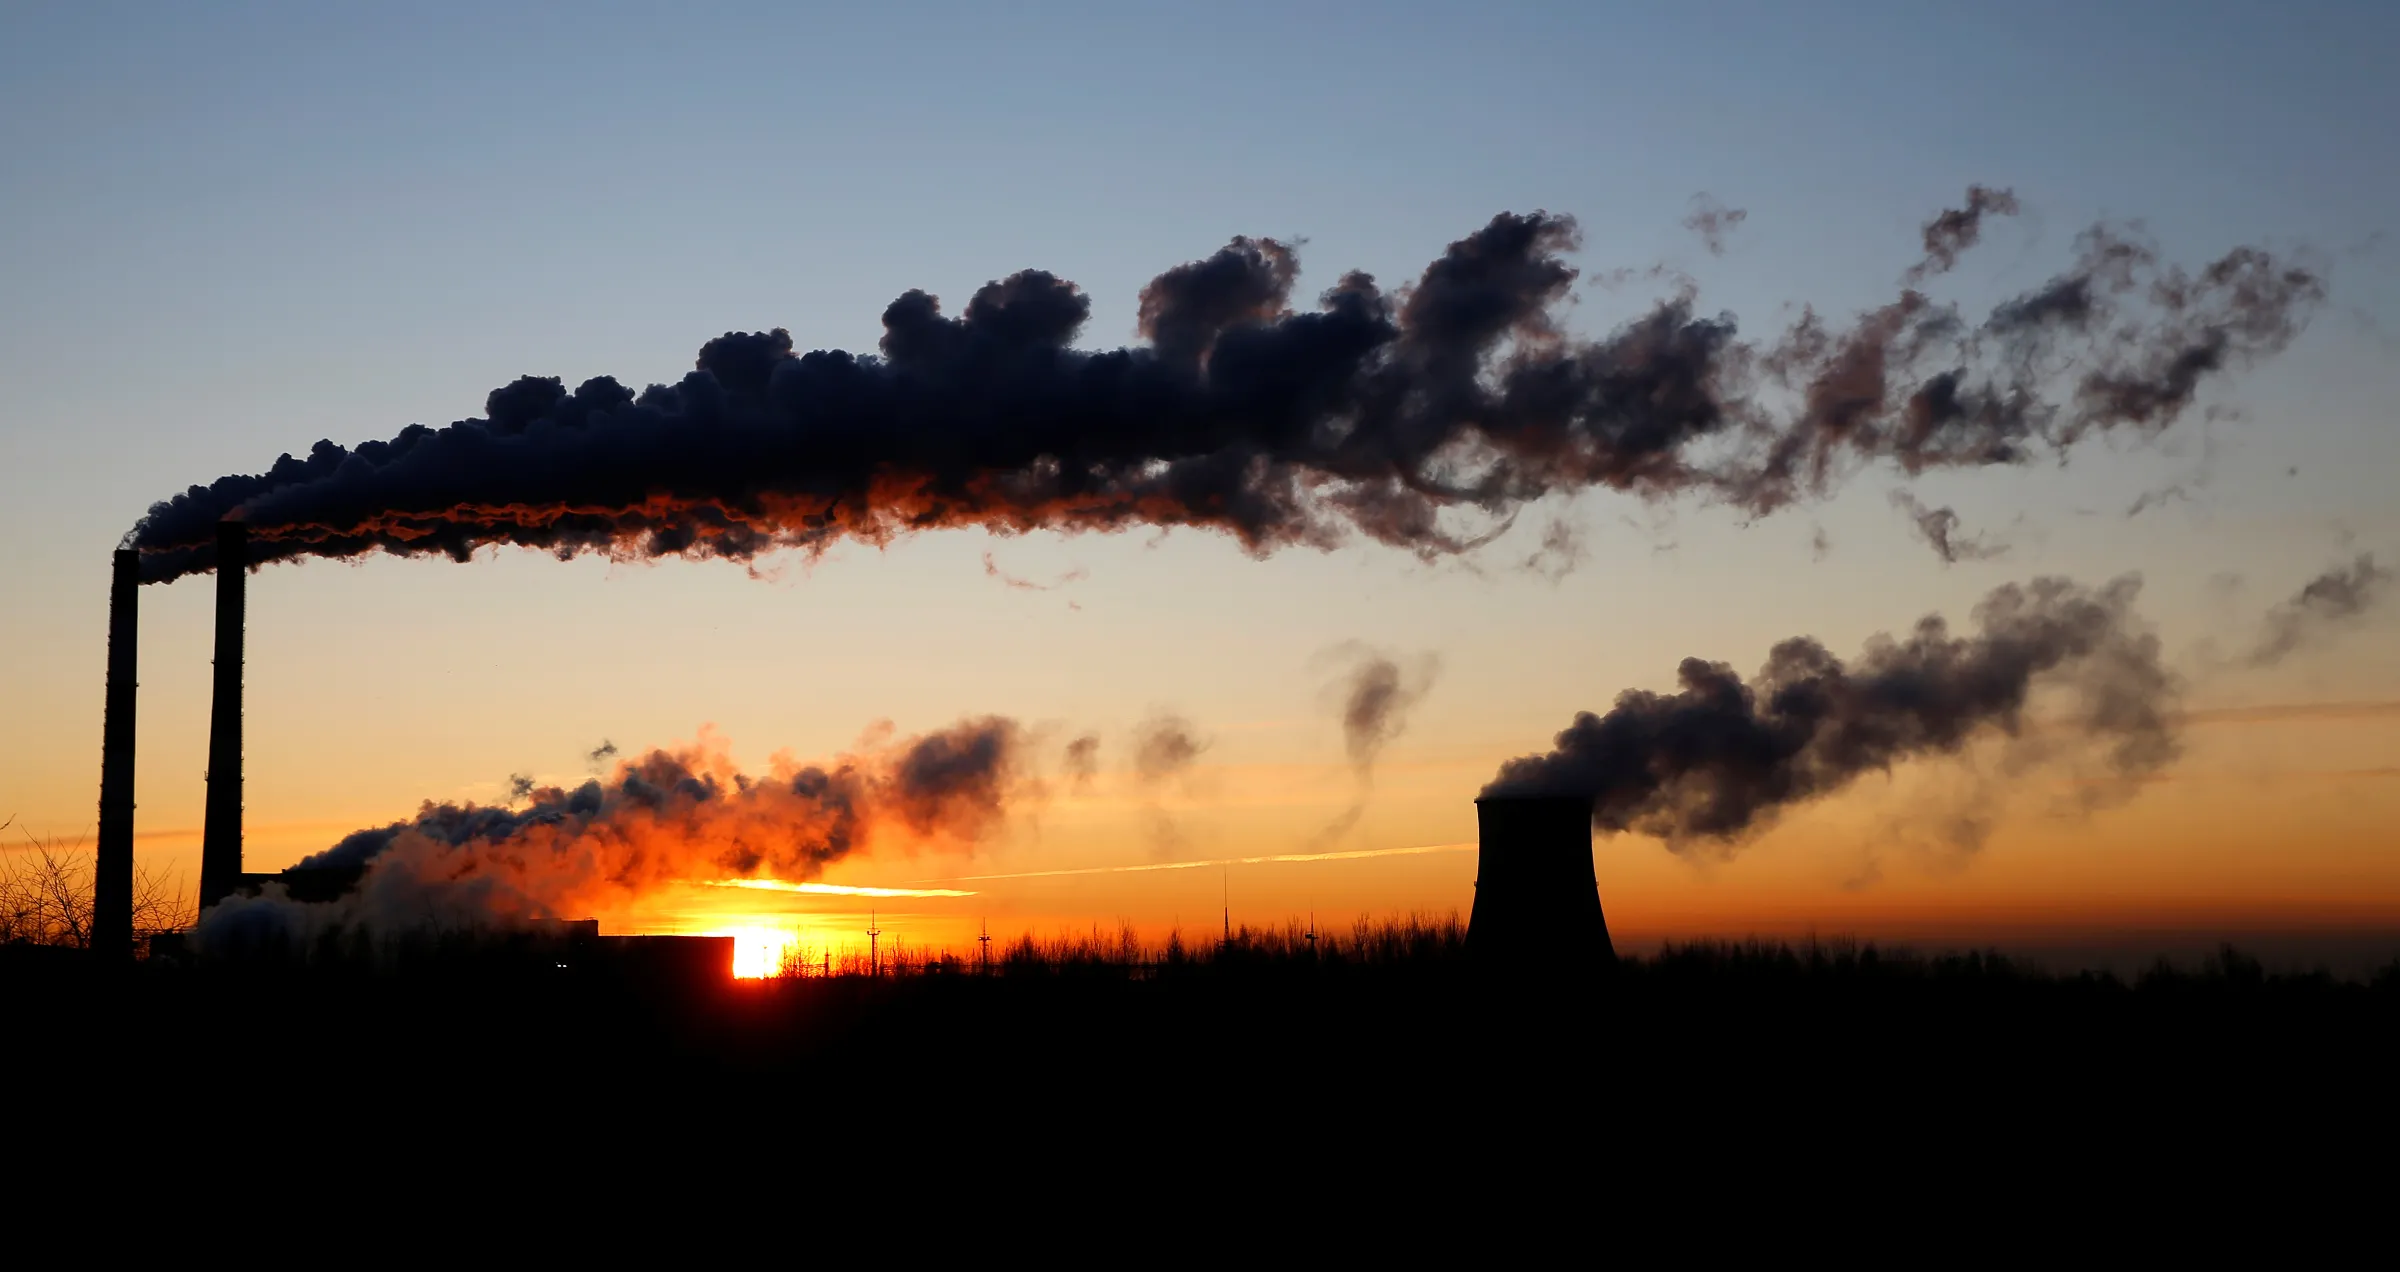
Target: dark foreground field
x,y
1703,1046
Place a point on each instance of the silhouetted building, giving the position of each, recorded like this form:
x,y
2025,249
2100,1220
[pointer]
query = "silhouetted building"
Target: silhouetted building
x,y
221,823
1537,900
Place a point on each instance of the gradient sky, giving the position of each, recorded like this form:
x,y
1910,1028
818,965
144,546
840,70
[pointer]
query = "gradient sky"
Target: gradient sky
x,y
236,228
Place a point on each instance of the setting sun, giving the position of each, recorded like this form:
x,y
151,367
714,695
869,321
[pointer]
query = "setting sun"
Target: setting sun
x,y
757,951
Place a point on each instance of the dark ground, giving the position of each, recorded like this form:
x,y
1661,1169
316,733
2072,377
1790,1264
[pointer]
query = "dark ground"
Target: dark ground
x,y
1729,1045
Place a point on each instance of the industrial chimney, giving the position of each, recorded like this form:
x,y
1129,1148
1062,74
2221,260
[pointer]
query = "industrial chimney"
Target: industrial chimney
x,y
1537,901
221,824
112,873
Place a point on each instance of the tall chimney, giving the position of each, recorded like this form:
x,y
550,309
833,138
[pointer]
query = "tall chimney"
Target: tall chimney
x,y
112,873
221,825
1537,901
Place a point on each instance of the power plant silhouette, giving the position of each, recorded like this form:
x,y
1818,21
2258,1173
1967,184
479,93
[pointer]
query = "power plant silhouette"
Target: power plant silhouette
x,y
1537,898
221,825
1536,904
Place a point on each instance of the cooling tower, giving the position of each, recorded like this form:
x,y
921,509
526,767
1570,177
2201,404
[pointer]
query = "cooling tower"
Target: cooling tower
x,y
1537,902
112,872
221,824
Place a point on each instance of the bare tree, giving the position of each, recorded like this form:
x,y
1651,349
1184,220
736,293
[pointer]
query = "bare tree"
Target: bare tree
x,y
46,896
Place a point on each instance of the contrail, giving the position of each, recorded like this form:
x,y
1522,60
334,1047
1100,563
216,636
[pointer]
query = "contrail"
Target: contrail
x,y
835,889
1272,859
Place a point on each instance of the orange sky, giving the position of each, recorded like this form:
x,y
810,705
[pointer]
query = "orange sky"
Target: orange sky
x,y
2279,819
238,234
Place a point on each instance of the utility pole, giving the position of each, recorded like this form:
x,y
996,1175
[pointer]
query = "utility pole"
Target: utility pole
x,y
874,958
985,940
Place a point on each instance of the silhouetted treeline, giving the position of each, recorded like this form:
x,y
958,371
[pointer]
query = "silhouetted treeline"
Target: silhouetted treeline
x,y
1214,1053
1420,939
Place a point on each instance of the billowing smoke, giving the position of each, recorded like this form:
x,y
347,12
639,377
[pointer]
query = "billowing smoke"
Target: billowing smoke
x,y
2337,598
668,817
1385,413
1720,758
1939,528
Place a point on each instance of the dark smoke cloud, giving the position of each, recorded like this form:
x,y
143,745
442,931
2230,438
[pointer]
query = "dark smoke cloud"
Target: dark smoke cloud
x,y
992,568
1720,758
2337,598
1939,528
1083,760
1949,235
1165,746
1373,695
688,816
1387,414
602,753
1712,221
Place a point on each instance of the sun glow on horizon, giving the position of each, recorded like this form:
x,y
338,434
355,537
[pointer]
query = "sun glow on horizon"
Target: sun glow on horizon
x,y
757,951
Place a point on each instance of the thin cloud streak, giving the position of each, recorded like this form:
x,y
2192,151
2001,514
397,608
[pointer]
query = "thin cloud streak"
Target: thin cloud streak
x,y
2281,712
1354,854
834,889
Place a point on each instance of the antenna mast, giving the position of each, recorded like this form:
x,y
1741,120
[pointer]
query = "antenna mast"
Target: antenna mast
x,y
874,958
986,941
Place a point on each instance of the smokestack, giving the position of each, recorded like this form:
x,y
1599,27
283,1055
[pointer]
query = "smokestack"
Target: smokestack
x,y
112,877
221,827
1537,901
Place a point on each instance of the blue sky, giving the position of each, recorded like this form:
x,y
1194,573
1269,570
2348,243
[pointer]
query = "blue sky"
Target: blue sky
x,y
234,229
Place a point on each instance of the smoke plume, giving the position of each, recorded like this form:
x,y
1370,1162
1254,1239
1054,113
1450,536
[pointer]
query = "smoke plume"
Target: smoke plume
x,y
1560,552
1949,235
1720,758
1083,760
1939,528
1712,221
685,816
1013,582
2158,498
1373,695
1390,414
1165,746
2337,598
